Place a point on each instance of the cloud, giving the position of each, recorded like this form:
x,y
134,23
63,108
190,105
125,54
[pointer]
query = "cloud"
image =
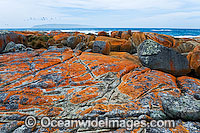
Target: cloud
x,y
171,20
24,13
115,4
101,13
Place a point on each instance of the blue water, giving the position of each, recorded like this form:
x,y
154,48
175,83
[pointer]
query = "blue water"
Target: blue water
x,y
167,31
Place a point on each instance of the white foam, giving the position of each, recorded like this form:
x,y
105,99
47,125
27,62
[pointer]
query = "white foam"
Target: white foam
x,y
82,31
135,31
186,36
163,30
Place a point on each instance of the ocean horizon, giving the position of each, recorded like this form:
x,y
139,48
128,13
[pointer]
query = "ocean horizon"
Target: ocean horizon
x,y
176,32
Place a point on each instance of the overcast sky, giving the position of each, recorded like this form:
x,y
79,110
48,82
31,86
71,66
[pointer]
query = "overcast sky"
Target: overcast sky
x,y
101,13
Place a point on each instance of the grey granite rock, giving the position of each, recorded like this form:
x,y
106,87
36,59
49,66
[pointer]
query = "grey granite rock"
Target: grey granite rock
x,y
185,107
156,56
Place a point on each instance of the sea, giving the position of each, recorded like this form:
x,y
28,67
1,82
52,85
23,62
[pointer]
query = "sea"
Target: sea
x,y
176,32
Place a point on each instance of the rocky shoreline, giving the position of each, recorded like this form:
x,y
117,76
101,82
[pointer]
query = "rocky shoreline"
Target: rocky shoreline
x,y
125,75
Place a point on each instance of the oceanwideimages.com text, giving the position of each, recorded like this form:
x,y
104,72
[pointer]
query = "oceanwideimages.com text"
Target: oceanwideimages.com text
x,y
129,124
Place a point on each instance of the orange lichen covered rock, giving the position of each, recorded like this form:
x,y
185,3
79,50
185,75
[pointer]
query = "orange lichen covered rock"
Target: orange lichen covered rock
x,y
197,39
144,86
61,36
37,83
117,44
196,49
194,60
138,38
189,86
101,47
177,126
116,34
182,45
186,45
127,56
51,42
90,38
29,33
102,33
125,35
5,38
165,40
62,83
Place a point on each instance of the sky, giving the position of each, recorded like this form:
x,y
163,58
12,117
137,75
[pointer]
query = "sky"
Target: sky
x,y
101,13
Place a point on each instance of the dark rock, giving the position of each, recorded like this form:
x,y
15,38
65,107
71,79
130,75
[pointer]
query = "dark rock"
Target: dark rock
x,y
194,59
102,33
189,86
73,41
37,42
197,96
81,46
9,127
29,49
156,56
23,129
3,97
14,117
12,102
101,47
20,47
9,47
158,115
6,37
12,47
64,42
185,107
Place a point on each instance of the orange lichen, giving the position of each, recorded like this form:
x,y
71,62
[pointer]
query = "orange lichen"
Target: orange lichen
x,y
138,38
172,66
125,55
102,33
125,35
100,100
166,40
43,81
194,60
140,83
84,95
189,85
61,36
116,44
